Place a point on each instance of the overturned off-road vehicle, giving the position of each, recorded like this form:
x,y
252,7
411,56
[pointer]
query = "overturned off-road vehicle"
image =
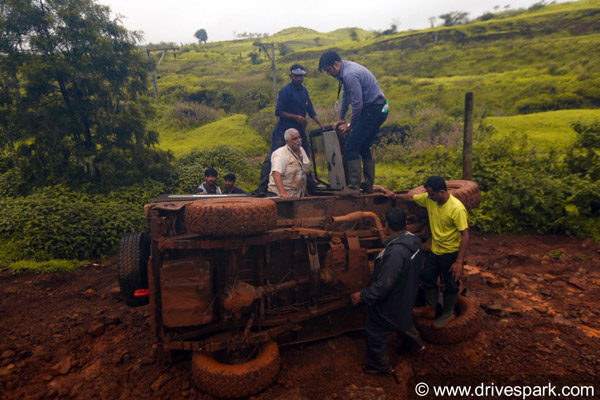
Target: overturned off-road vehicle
x,y
229,279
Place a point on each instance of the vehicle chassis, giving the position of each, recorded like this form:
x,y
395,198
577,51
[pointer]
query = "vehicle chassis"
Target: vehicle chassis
x,y
290,283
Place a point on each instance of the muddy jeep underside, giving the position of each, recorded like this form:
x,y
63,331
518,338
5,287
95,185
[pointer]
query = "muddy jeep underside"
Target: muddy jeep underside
x,y
291,282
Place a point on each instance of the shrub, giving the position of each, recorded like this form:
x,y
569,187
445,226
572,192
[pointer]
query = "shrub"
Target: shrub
x,y
430,131
533,200
263,122
189,172
527,191
547,102
188,114
584,159
56,223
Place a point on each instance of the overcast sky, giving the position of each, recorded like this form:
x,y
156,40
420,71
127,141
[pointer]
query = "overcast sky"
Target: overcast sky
x,y
178,20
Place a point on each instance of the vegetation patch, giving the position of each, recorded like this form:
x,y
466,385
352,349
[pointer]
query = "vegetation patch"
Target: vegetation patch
x,y
231,131
545,131
40,267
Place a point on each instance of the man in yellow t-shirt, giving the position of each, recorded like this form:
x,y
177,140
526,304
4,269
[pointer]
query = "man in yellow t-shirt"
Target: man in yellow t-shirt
x,y
449,241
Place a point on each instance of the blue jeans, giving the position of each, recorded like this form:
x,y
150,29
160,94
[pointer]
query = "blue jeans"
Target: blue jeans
x,y
358,144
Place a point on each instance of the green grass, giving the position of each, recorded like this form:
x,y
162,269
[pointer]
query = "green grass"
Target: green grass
x,y
232,131
39,267
549,130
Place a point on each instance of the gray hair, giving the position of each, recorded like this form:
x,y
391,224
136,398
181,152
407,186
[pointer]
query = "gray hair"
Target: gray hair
x,y
288,133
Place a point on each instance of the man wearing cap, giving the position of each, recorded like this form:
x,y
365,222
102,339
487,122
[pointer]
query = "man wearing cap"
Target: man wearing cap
x,y
209,186
293,104
369,111
230,185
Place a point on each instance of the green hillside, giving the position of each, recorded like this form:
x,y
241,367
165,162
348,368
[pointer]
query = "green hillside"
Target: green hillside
x,y
516,62
549,130
231,131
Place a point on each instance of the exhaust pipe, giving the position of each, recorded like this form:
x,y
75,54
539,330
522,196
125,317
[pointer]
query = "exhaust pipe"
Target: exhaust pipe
x,y
355,216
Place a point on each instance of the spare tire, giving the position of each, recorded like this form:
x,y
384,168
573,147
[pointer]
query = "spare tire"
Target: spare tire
x,y
230,217
466,191
236,380
132,268
464,327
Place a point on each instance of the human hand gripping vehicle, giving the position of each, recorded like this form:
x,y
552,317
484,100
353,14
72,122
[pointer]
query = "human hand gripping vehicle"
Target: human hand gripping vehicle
x,y
231,278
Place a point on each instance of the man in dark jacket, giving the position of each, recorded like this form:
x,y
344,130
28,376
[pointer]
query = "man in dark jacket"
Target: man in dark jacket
x,y
392,294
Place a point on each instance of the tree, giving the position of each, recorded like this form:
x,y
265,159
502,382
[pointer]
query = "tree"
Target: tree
x,y
353,35
72,98
455,18
201,35
255,57
432,21
284,49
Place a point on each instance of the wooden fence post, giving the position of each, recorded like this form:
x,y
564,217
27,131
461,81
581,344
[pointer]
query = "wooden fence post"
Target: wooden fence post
x,y
468,137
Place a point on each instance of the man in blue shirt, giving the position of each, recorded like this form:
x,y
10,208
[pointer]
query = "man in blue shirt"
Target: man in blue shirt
x,y
293,104
369,111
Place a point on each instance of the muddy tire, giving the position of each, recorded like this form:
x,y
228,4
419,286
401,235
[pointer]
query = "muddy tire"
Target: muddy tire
x,y
464,327
132,269
466,191
239,380
230,217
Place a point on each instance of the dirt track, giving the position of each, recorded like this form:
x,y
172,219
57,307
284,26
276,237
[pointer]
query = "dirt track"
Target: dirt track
x,y
67,335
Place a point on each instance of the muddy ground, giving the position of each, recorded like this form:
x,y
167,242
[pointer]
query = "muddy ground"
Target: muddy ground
x,y
67,335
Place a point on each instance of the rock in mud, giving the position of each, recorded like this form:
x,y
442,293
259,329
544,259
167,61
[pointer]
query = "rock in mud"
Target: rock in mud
x,y
364,393
96,330
7,370
577,282
8,354
62,367
160,382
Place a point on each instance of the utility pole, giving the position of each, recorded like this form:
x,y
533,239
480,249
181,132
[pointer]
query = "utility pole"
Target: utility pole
x,y
155,70
468,138
263,46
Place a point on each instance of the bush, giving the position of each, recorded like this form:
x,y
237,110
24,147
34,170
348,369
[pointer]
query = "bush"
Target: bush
x,y
56,223
187,115
431,134
526,191
584,159
532,200
189,172
547,102
263,122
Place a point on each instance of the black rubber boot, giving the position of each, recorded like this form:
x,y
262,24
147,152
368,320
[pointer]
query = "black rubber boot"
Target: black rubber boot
x,y
369,173
354,174
448,314
428,310
311,184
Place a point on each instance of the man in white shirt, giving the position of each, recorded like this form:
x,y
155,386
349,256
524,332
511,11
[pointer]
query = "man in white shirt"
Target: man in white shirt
x,y
289,167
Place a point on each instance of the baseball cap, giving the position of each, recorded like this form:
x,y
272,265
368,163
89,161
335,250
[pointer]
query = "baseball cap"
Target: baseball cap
x,y
297,69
